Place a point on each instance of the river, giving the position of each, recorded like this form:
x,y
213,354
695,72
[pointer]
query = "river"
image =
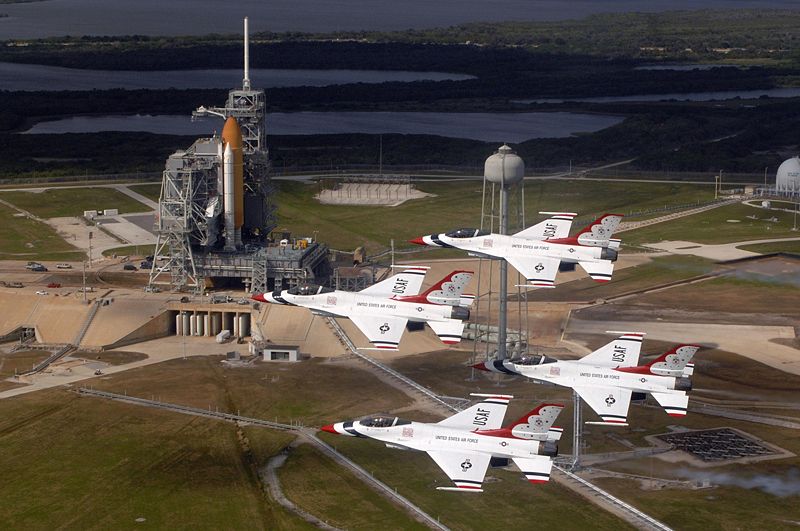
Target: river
x,y
40,77
689,96
494,127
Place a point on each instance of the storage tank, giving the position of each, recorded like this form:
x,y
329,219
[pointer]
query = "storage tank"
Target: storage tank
x,y
178,325
244,325
199,326
185,319
504,167
207,324
787,180
216,323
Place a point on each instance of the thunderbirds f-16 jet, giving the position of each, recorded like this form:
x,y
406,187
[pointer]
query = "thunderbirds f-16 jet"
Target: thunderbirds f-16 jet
x,y
608,378
465,444
383,310
538,251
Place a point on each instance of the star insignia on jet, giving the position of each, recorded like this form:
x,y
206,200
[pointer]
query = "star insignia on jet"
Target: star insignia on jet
x,y
384,328
466,465
539,267
610,401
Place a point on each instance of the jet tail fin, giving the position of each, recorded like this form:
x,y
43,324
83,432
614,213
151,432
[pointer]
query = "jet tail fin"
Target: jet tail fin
x,y
598,233
673,362
536,423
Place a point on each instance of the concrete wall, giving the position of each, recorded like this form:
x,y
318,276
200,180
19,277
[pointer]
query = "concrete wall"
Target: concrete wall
x,y
160,326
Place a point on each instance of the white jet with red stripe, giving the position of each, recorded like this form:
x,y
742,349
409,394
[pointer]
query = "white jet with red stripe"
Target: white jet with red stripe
x,y
382,311
538,251
467,443
607,378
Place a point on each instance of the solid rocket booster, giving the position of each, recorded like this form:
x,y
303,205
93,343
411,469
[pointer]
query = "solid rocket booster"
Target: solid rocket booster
x,y
233,172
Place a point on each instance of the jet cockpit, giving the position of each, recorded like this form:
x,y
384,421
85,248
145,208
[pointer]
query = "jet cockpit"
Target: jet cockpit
x,y
466,233
309,289
533,360
383,421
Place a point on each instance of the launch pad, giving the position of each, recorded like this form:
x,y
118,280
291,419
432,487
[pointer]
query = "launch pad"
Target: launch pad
x,y
215,212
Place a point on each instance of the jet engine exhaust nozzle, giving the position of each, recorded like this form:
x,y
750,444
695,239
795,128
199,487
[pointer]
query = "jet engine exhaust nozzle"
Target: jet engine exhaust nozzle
x,y
460,313
683,384
550,449
609,254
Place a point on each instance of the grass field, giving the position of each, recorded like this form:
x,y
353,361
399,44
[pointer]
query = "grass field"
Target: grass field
x,y
150,190
345,501
712,226
660,270
22,238
131,250
726,294
458,204
775,247
21,361
74,462
61,202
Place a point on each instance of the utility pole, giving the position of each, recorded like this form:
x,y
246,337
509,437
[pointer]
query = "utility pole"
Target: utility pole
x,y
84,281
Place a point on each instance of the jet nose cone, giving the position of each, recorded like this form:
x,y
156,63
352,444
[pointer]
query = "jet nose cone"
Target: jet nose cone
x,y
480,367
258,297
418,241
330,429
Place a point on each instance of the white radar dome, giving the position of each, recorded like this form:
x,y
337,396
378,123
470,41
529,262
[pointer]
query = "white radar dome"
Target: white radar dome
x,y
788,178
504,167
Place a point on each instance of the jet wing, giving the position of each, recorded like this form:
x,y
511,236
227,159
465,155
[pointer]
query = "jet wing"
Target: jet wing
x,y
466,469
536,469
448,331
555,227
611,403
382,331
407,282
675,404
599,271
539,272
487,414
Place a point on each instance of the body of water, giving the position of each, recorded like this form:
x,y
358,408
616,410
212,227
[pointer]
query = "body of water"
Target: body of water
x,y
40,77
200,17
495,127
690,96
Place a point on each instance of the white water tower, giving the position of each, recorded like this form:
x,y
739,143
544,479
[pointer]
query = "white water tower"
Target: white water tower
x,y
503,175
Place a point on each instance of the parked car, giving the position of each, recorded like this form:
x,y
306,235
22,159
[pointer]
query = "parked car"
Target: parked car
x,y
41,292
54,285
129,267
63,266
33,265
39,268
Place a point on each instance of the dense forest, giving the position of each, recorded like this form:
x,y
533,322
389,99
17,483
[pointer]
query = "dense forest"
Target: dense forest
x,y
510,62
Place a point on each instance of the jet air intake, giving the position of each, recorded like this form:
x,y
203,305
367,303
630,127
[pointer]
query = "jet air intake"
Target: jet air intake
x,y
608,254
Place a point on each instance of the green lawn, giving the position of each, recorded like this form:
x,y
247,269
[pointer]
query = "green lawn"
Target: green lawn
x,y
131,250
23,238
87,463
458,204
150,190
713,227
660,270
61,202
774,247
323,488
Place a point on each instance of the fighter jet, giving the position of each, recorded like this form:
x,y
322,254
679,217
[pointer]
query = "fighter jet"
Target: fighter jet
x,y
465,444
538,251
608,378
383,310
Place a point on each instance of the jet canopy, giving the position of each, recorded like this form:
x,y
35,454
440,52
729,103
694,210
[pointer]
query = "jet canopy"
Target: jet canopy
x,y
309,289
533,360
383,421
466,233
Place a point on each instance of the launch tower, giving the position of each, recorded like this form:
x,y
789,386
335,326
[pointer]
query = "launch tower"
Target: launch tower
x,y
216,213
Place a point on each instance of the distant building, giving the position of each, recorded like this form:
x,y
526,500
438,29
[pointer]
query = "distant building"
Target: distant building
x,y
787,180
